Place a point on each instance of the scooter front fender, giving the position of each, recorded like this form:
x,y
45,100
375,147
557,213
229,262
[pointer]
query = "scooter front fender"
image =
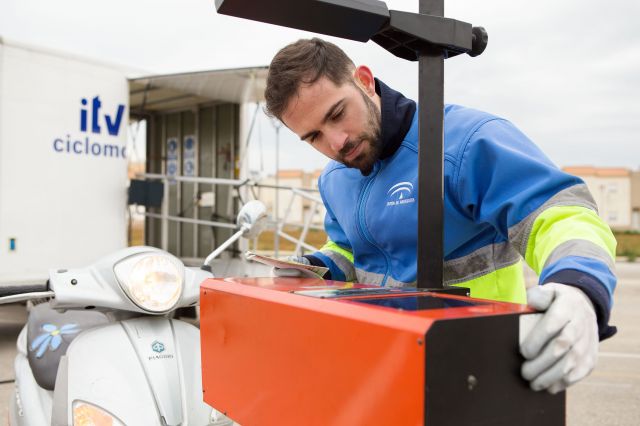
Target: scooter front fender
x,y
143,371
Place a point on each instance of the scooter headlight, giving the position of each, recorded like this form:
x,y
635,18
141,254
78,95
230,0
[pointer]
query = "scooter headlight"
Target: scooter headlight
x,y
154,282
85,414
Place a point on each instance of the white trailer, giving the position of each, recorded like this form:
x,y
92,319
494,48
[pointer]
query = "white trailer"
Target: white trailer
x,y
63,166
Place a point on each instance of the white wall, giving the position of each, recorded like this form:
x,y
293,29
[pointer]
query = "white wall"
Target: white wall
x,y
64,206
613,197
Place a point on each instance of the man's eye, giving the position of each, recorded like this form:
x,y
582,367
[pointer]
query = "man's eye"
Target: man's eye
x,y
312,138
337,115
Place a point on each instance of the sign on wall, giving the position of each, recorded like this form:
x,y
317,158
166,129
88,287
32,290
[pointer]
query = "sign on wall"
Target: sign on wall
x,y
189,158
172,159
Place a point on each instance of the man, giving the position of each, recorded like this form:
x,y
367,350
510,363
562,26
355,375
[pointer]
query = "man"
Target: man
x,y
504,201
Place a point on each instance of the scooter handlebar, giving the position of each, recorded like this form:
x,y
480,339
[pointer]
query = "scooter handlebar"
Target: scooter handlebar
x,y
21,293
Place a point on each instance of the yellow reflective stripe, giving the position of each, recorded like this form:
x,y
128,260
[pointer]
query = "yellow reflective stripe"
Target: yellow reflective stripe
x,y
504,285
560,224
331,246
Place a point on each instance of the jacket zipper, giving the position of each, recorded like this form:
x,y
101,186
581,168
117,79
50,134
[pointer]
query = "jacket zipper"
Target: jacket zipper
x,y
363,229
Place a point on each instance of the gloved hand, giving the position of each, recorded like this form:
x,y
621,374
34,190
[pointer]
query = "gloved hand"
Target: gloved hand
x,y
290,272
562,348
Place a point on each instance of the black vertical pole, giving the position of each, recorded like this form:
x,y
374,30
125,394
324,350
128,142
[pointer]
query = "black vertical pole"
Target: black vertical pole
x,y
430,160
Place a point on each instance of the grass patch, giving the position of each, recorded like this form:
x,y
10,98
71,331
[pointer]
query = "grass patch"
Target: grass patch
x,y
628,244
315,238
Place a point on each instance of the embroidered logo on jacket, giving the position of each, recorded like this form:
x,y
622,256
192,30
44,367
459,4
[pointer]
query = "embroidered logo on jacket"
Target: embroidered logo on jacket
x,y
400,193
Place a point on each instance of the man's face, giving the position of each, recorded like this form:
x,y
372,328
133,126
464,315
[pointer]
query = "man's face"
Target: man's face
x,y
342,122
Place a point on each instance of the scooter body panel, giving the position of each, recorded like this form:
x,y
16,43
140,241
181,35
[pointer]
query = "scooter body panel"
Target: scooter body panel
x,y
116,368
30,405
187,339
145,370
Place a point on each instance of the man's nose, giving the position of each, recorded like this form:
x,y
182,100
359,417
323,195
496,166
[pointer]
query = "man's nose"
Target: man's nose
x,y
337,139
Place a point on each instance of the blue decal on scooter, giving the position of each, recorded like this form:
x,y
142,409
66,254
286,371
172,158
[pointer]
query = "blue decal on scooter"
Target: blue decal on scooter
x,y
52,337
157,346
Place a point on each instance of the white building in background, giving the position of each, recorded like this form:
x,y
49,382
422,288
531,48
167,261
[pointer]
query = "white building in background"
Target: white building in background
x,y
612,189
635,200
294,206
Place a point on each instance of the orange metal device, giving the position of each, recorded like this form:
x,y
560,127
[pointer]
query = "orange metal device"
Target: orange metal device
x,y
293,351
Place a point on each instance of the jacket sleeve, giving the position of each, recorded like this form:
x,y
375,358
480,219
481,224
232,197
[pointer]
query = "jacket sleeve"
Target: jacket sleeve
x,y
549,216
336,254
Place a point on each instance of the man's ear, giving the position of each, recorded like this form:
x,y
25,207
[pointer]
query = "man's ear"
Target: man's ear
x,y
364,79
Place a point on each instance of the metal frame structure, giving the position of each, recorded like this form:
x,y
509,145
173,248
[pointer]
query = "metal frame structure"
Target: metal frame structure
x,y
277,223
426,37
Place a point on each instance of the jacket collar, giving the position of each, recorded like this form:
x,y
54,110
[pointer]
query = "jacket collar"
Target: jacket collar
x,y
396,117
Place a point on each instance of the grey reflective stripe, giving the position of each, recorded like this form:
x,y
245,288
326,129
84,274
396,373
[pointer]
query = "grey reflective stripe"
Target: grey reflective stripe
x,y
365,277
342,263
582,248
391,282
481,262
576,195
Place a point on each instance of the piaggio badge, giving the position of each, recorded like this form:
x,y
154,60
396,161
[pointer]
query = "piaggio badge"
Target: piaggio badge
x,y
157,346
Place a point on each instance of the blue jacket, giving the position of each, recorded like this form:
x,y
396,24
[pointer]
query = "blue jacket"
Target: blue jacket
x,y
504,201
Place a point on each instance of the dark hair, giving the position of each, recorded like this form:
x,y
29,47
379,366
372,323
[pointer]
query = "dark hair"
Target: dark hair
x,y
303,62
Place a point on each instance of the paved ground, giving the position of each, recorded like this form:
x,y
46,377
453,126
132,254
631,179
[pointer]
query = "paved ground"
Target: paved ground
x,y
12,318
609,396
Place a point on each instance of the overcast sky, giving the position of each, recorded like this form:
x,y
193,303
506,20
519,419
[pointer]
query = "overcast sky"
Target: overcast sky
x,y
565,72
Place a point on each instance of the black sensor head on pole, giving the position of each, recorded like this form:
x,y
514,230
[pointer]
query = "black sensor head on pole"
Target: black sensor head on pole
x,y
357,20
404,34
407,35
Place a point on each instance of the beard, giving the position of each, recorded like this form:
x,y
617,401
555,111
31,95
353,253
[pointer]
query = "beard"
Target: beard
x,y
372,135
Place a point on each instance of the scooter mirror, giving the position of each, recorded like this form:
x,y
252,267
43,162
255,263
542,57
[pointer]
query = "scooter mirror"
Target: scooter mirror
x,y
252,219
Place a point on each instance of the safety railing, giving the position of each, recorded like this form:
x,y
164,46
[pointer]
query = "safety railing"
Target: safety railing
x,y
246,189
316,204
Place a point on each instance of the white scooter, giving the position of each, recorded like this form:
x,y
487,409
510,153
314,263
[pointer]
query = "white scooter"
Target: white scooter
x,y
105,351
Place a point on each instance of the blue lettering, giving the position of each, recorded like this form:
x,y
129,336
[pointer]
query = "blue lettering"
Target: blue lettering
x,y
95,126
114,127
83,116
109,150
87,147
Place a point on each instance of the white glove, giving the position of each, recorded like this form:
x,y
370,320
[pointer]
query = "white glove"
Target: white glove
x,y
290,272
562,348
